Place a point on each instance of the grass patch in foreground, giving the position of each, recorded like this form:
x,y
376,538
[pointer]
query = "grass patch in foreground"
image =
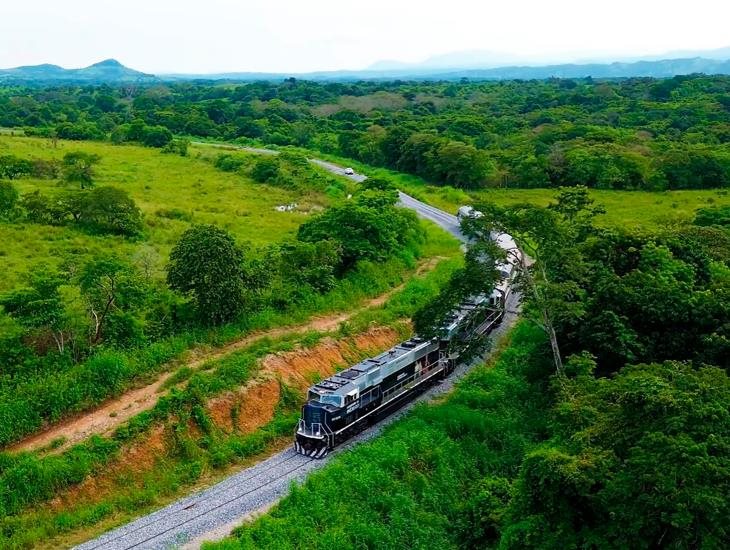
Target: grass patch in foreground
x,y
29,479
414,486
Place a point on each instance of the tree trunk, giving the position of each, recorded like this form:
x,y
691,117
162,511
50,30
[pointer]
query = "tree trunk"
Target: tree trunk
x,y
547,324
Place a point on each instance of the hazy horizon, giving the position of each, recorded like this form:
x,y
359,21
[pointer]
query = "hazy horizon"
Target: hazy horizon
x,y
325,35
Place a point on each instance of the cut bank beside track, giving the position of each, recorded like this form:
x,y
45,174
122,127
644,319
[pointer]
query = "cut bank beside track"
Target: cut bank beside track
x,y
213,512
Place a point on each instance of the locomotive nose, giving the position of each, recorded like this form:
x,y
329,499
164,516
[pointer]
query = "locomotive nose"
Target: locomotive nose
x,y
319,453
311,449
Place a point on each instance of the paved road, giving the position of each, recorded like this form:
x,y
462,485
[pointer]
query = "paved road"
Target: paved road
x,y
447,221
214,512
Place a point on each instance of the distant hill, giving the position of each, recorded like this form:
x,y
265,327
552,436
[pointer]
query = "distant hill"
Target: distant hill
x,y
657,69
107,71
466,65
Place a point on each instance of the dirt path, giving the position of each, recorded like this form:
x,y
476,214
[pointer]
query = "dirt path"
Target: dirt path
x,y
115,412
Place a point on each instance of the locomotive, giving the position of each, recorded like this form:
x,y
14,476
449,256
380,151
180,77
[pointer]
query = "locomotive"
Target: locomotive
x,y
346,403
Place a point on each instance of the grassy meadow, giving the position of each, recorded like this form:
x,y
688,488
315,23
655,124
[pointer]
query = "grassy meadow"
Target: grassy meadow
x,y
172,192
640,210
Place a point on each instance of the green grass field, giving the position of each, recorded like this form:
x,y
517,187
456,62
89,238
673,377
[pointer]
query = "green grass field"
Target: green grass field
x,y
165,187
624,209
640,210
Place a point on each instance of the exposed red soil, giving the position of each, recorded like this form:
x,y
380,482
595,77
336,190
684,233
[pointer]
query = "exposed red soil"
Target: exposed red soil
x,y
114,412
255,405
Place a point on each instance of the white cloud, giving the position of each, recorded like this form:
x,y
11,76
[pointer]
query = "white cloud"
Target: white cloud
x,y
300,35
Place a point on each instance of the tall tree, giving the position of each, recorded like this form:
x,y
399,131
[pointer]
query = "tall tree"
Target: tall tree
x,y
207,263
39,307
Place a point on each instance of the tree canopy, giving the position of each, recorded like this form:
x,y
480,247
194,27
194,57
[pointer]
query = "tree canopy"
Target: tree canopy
x,y
208,264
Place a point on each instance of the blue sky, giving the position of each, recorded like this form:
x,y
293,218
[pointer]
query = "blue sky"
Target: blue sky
x,y
300,35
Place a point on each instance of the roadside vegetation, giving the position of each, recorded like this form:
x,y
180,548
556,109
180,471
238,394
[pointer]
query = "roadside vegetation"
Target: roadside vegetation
x,y
603,423
86,324
187,440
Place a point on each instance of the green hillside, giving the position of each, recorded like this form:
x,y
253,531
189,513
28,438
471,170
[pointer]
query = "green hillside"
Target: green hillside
x,y
171,191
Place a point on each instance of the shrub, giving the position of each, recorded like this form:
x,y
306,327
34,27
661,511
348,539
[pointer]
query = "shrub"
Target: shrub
x,y
229,163
8,198
266,169
110,210
78,167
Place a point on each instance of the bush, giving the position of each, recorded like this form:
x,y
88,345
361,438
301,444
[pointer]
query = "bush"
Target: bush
x,y
265,169
229,163
110,210
719,215
177,147
12,167
8,198
78,167
156,136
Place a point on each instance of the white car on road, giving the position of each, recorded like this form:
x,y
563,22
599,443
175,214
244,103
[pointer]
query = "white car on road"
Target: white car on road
x,y
468,212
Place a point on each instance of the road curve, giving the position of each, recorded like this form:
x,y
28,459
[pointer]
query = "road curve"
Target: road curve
x,y
447,221
211,513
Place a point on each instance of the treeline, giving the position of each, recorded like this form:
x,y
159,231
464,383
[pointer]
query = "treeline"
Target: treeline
x,y
79,334
619,440
99,210
636,133
288,169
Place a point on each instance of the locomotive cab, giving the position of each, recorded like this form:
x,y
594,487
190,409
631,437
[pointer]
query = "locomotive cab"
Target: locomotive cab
x,y
314,436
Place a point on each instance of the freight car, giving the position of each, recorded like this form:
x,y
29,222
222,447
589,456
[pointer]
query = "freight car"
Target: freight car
x,y
344,404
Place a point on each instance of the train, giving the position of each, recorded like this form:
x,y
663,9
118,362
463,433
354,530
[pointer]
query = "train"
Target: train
x,y
339,407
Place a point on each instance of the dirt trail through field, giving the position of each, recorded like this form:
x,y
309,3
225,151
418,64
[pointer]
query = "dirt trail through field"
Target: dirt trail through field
x,y
113,413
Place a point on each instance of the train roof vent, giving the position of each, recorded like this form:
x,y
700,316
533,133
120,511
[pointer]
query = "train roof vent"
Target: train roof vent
x,y
350,374
328,385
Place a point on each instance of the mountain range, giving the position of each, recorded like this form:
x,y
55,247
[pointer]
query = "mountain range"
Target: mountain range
x,y
488,59
107,71
473,64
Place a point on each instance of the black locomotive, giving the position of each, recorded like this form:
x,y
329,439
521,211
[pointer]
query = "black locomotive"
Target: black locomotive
x,y
344,404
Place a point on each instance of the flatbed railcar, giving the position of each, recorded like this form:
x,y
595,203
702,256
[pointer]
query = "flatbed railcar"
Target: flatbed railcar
x,y
346,403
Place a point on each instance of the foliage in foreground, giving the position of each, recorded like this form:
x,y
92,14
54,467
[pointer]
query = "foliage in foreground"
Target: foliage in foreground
x,y
27,480
422,482
638,459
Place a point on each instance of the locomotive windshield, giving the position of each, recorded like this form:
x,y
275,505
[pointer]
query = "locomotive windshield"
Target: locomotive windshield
x,y
335,400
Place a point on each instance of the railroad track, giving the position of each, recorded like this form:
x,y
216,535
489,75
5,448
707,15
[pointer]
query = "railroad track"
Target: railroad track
x,y
255,488
244,492
262,485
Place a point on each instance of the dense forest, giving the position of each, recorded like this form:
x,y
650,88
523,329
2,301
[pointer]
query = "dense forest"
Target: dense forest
x,y
638,133
618,436
604,421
